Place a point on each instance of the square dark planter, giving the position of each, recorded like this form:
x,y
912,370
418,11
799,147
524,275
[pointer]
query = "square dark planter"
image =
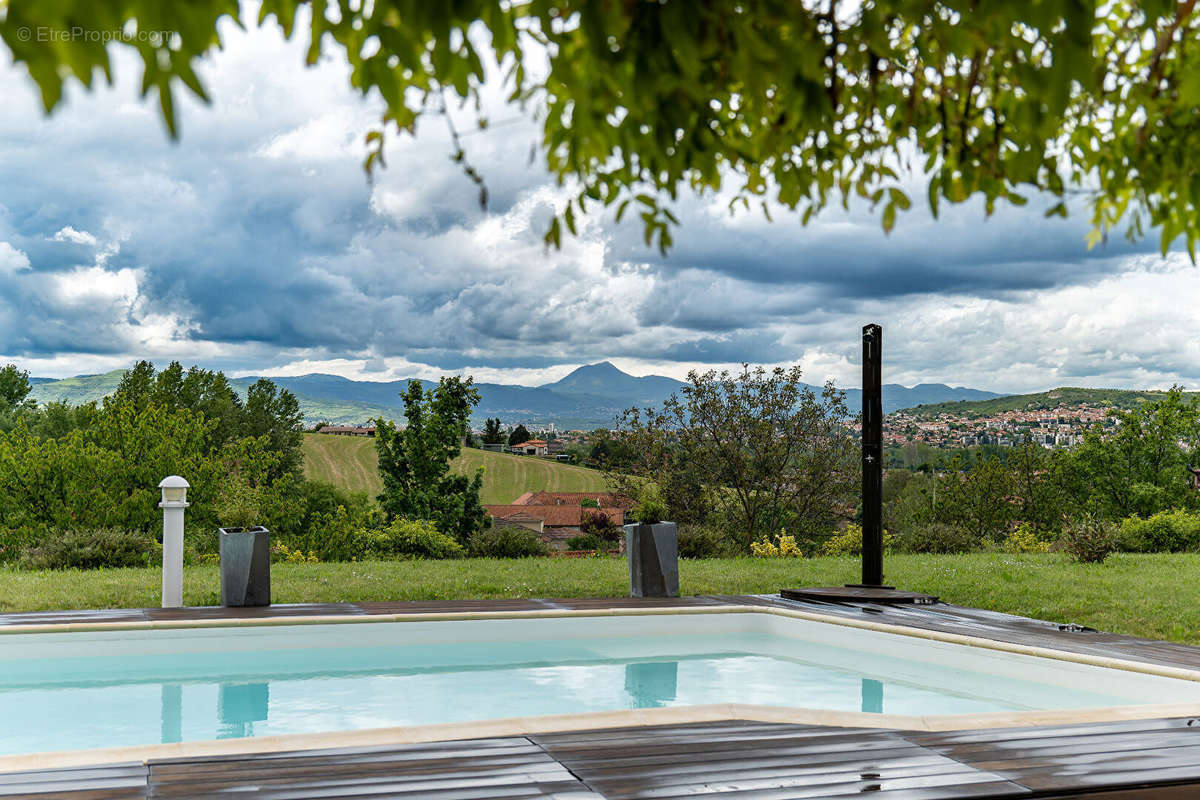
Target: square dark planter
x,y
245,566
653,551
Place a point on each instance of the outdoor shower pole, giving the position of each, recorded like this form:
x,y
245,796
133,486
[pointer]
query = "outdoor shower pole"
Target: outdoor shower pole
x,y
872,455
871,590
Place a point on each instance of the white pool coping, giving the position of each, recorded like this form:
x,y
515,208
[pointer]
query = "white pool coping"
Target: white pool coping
x,y
518,726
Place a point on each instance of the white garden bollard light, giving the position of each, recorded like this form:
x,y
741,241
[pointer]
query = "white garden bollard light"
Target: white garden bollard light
x,y
174,501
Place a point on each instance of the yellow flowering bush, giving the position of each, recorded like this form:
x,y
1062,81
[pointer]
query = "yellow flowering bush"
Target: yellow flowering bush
x,y
784,546
850,542
1024,540
283,553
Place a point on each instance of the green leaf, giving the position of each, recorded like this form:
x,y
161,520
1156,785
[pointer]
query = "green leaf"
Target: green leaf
x,y
554,235
889,217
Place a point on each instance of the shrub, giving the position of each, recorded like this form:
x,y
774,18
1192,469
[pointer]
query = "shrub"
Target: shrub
x,y
784,546
1089,539
706,541
240,505
507,542
590,541
589,502
347,534
281,553
600,525
650,507
936,537
15,541
1024,539
413,538
1164,532
93,548
850,542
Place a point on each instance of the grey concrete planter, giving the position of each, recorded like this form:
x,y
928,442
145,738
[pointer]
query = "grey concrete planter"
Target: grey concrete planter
x,y
245,566
653,551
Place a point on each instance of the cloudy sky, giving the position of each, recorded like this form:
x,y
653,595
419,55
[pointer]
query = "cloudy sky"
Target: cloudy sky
x,y
256,245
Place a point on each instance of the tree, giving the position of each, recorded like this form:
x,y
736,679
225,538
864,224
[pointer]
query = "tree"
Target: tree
x,y
802,104
760,446
1140,466
269,411
274,413
977,498
518,436
14,393
492,434
14,387
414,461
1032,485
200,390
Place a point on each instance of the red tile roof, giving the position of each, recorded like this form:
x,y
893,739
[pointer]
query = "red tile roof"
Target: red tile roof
x,y
607,499
558,516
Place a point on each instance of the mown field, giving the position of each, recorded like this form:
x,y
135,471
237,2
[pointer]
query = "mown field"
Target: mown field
x,y
350,462
1156,596
346,461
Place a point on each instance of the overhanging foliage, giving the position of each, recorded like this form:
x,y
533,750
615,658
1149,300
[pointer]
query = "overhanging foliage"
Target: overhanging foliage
x,y
769,101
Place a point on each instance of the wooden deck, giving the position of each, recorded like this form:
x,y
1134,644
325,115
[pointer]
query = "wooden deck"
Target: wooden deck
x,y
1157,759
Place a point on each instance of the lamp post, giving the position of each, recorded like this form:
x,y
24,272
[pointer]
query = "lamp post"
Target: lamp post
x,y
174,501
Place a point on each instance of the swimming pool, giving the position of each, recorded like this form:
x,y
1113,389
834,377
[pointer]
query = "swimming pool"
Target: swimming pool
x,y
143,686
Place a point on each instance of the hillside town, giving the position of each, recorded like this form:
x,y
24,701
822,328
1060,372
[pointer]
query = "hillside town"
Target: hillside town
x,y
1062,426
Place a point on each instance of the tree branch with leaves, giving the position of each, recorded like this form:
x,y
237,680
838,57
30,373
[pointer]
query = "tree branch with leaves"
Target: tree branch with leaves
x,y
768,102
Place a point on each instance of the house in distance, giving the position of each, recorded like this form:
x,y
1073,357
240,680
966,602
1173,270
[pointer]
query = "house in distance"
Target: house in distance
x,y
557,516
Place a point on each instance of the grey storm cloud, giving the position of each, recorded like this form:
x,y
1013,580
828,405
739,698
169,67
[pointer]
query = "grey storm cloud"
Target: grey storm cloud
x,y
258,233
846,254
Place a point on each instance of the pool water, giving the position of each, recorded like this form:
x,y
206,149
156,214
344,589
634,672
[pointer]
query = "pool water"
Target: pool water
x,y
100,694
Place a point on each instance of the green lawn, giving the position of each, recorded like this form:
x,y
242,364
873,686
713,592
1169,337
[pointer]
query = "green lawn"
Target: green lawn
x,y
351,462
1156,596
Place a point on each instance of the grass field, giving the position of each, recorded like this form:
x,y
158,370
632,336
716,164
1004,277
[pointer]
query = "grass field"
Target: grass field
x,y
350,462
1156,596
346,461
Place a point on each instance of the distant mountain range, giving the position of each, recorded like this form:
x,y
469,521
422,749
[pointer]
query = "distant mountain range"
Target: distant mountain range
x,y
591,396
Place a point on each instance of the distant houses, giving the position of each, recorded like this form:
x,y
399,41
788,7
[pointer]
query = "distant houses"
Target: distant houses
x,y
557,516
532,447
347,430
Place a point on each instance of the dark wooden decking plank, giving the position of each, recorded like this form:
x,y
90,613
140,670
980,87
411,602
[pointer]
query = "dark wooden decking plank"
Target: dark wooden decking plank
x,y
1075,745
462,770
946,738
763,761
1165,792
253,612
72,617
1129,754
475,748
108,782
530,604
